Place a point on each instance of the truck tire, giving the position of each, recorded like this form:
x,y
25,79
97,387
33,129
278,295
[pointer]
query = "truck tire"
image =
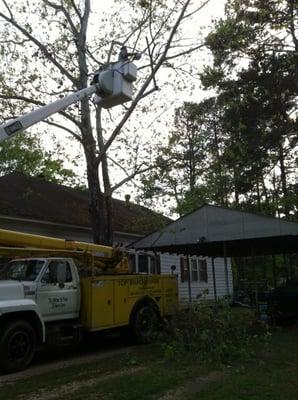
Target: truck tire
x,y
17,346
144,324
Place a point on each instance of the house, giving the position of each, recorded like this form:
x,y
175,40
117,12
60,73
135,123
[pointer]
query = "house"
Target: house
x,y
208,237
34,206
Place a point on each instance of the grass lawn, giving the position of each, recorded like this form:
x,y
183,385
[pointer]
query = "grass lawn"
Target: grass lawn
x,y
273,376
145,373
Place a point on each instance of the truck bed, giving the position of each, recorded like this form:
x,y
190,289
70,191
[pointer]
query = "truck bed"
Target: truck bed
x,y
108,300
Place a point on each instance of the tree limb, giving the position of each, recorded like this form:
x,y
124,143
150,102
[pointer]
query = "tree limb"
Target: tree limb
x,y
75,135
41,46
147,82
129,178
196,10
76,9
188,51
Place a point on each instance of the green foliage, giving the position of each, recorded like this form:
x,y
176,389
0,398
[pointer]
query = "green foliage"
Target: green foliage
x,y
229,37
254,72
190,165
26,154
215,333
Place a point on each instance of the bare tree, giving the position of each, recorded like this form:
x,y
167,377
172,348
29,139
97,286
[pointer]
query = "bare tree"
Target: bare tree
x,y
54,52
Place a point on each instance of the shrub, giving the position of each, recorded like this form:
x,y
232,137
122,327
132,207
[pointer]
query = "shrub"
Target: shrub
x,y
214,332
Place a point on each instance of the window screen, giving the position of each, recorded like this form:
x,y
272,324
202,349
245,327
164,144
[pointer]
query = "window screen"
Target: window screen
x,y
203,271
194,270
143,264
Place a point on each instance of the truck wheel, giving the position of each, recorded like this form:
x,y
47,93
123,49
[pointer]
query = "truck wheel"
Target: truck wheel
x,y
17,346
144,324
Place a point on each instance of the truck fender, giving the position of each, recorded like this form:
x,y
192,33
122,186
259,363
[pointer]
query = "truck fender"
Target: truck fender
x,y
25,309
146,300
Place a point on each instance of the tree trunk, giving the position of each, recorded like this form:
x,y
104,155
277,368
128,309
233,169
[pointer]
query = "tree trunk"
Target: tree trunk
x,y
258,196
218,170
108,204
96,205
236,184
283,177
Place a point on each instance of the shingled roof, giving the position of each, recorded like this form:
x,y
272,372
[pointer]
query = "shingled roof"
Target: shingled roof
x,y
214,231
33,198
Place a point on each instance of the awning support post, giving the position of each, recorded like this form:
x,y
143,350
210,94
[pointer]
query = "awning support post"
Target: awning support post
x,y
226,269
214,279
255,281
189,281
286,265
274,271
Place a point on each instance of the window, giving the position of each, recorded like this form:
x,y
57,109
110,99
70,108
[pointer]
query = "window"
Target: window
x,y
203,271
143,264
183,269
22,270
194,273
132,262
148,264
51,273
155,264
194,270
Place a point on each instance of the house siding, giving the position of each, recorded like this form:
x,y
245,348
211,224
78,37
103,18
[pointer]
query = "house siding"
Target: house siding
x,y
200,289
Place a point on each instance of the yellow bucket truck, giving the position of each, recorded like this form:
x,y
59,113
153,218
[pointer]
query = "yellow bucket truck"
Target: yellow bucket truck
x,y
52,290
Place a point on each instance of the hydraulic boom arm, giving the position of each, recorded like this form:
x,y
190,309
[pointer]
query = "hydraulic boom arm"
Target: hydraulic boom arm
x,y
21,123
111,85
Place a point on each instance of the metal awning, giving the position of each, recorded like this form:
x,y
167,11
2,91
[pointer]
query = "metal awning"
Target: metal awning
x,y
216,231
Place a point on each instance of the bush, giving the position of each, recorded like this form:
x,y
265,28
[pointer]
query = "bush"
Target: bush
x,y
215,332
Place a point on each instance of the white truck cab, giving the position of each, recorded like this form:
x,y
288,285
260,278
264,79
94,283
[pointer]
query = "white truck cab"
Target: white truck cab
x,y
51,283
38,291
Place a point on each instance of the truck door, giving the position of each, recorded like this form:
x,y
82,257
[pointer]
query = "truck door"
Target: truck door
x,y
56,299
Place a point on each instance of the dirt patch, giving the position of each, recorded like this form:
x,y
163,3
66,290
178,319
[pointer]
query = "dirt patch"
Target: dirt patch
x,y
194,386
53,366
69,388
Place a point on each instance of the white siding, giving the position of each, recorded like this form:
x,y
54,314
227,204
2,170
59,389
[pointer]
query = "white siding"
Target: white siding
x,y
199,289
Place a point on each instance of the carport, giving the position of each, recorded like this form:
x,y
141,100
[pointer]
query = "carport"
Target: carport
x,y
216,231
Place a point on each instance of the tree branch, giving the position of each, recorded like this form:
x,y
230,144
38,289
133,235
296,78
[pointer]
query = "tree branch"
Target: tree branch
x,y
76,9
8,9
292,24
66,14
75,135
41,46
188,51
196,10
149,92
147,82
129,178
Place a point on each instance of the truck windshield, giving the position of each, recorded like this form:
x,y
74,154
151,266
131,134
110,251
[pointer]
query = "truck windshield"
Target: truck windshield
x,y
21,270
